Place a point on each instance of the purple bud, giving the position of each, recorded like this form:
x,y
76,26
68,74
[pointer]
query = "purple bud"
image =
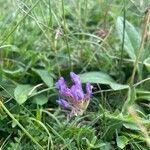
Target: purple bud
x,y
63,103
77,92
75,78
88,88
61,85
67,93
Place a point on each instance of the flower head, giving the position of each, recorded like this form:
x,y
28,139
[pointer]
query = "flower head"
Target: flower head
x,y
73,98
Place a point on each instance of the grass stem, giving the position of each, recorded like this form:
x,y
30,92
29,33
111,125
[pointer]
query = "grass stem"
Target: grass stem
x,y
18,123
139,51
65,35
15,27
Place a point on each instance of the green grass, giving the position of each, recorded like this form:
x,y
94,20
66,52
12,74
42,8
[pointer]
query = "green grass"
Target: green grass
x,y
99,40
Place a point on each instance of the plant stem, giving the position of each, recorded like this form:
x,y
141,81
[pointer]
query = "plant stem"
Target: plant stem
x,y
85,14
50,14
65,35
123,35
131,92
139,51
17,122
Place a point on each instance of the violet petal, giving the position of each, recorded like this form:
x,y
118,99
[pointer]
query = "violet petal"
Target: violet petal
x,y
61,85
77,92
75,78
88,88
63,103
67,93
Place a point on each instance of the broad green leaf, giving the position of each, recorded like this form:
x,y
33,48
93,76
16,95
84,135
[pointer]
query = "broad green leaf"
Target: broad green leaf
x,y
21,93
117,86
131,126
132,37
40,99
122,141
96,77
45,76
102,78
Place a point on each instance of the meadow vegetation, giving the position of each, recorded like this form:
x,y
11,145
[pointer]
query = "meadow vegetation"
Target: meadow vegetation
x,y
105,42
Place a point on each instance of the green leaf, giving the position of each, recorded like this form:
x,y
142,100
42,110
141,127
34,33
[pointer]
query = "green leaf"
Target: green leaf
x,y
143,95
14,124
132,37
112,125
117,86
96,77
102,78
147,63
130,100
40,99
8,89
21,93
122,141
92,145
106,147
45,76
131,126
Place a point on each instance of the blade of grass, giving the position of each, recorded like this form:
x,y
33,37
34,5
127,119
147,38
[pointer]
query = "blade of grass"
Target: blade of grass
x,y
45,128
50,14
18,123
123,35
12,31
139,51
65,33
130,99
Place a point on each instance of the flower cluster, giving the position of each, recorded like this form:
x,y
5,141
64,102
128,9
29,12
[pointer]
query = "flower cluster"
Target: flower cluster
x,y
73,98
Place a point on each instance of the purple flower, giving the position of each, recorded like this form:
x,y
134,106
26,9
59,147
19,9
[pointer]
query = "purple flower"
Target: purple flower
x,y
88,89
61,85
75,78
77,92
73,98
63,103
